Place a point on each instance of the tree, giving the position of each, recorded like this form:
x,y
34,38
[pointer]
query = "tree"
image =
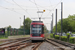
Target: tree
x,y
68,24
9,26
27,23
45,29
71,20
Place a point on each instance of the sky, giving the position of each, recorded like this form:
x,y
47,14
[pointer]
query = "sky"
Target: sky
x,y
12,11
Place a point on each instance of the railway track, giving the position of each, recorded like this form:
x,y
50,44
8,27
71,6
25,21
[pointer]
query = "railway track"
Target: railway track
x,y
61,45
32,46
12,41
19,44
26,44
8,44
36,46
7,40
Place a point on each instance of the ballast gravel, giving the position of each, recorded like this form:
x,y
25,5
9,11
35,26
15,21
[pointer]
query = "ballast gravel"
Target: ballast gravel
x,y
28,48
46,46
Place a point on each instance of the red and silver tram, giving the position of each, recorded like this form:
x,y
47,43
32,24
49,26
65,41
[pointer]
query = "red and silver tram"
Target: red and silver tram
x,y
37,30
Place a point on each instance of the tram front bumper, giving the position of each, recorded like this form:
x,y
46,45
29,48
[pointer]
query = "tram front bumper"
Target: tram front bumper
x,y
36,38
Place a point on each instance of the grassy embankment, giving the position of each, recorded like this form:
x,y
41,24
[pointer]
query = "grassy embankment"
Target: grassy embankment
x,y
16,36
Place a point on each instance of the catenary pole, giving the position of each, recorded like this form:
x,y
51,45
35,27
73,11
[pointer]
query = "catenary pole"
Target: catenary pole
x,y
24,24
52,22
56,21
61,17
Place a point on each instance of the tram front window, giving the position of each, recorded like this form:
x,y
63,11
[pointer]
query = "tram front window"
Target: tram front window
x,y
36,30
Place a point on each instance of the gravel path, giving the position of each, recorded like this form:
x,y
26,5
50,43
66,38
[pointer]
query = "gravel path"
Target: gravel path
x,y
47,46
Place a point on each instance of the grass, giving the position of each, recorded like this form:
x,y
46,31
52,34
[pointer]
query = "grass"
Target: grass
x,y
3,38
18,36
15,36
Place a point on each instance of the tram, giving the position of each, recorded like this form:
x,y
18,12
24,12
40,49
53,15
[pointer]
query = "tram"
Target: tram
x,y
37,30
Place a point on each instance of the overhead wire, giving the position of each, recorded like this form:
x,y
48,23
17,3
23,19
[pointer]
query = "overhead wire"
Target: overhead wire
x,y
44,7
49,10
37,7
42,13
54,7
21,7
34,3
9,2
57,4
14,4
11,10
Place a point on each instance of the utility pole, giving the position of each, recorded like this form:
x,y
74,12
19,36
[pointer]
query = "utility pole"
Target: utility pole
x,y
56,21
52,24
20,21
24,24
61,17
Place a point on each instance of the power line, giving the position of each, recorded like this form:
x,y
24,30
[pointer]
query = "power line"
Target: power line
x,y
57,4
37,7
42,18
11,10
9,2
20,7
54,7
46,8
49,10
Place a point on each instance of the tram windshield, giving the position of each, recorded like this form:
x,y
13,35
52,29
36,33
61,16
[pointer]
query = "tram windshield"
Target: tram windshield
x,y
36,29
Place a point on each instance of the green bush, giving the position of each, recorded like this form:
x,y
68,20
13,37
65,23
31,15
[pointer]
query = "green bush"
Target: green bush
x,y
56,36
72,39
68,34
64,38
51,35
73,33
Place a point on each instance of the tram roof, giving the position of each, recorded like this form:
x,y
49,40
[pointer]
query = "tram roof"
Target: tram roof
x,y
38,21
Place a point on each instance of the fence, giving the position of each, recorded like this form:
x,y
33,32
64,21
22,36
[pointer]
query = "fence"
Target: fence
x,y
14,31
